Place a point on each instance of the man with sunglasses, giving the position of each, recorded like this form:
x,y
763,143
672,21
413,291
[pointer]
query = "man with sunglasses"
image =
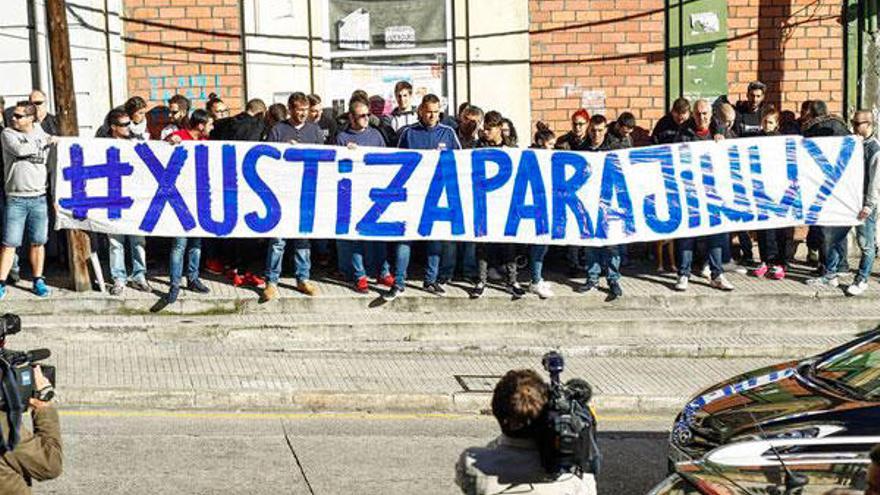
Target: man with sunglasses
x,y
26,173
178,110
120,128
46,120
359,133
863,126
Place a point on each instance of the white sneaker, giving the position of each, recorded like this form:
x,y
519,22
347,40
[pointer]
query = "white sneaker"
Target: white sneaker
x,y
721,283
542,289
823,282
857,288
706,272
682,284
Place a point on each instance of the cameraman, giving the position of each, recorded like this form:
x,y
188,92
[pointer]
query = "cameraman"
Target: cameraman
x,y
513,460
37,456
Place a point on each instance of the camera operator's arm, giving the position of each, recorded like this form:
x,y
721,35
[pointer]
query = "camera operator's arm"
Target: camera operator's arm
x,y
39,454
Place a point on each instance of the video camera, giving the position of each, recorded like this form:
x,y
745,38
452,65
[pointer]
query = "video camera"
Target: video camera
x,y
17,383
567,441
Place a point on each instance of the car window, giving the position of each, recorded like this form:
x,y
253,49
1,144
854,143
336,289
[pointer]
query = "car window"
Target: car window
x,y
857,370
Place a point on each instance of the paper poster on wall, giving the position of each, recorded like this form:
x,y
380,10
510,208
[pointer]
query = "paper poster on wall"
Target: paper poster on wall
x,y
379,80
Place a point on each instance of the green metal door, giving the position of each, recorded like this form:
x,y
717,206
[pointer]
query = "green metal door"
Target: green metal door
x,y
696,49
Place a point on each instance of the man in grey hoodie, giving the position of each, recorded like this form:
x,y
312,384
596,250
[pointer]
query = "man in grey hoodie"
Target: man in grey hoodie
x,y
863,125
26,175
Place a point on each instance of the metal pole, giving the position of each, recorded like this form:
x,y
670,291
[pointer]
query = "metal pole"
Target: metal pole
x,y
79,247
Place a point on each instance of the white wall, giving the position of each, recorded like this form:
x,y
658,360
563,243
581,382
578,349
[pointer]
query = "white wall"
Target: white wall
x,y
92,78
276,65
503,87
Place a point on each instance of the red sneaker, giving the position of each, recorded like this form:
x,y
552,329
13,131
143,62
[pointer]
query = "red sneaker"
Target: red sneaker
x,y
362,286
387,280
254,280
233,276
214,265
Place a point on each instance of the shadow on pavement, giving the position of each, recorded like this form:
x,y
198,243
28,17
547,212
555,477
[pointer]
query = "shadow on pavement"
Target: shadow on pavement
x,y
633,461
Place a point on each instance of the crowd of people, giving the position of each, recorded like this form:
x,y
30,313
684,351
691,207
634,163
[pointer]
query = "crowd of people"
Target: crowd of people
x,y
29,132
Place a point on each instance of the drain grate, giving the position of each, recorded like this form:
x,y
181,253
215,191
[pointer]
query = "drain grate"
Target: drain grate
x,y
477,384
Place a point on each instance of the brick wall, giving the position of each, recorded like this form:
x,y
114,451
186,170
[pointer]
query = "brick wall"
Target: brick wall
x,y
192,47
585,50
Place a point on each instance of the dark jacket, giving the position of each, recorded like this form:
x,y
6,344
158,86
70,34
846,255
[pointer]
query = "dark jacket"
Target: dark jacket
x,y
606,145
748,123
826,125
688,133
242,127
617,141
666,130
569,141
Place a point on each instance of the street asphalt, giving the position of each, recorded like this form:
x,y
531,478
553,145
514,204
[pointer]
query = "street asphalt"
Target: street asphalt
x,y
194,453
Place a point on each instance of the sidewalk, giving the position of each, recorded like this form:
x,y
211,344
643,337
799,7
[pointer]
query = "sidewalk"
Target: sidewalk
x,y
340,350
215,376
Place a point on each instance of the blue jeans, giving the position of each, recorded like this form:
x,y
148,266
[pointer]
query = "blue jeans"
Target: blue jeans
x,y
609,257
275,258
714,244
364,257
536,260
22,214
441,256
15,267
401,263
865,235
835,249
137,253
193,249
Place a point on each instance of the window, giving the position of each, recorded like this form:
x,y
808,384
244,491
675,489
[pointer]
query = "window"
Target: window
x,y
375,43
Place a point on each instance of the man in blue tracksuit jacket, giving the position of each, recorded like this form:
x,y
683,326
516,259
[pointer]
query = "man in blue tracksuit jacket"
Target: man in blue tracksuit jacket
x,y
427,134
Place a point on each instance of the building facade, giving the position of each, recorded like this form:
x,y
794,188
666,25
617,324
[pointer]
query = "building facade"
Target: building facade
x,y
530,59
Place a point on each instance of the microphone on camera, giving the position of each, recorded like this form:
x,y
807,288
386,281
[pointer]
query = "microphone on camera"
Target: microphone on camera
x,y
38,354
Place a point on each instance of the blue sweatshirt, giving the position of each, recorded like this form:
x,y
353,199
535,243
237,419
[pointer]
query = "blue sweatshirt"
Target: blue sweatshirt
x,y
366,137
420,137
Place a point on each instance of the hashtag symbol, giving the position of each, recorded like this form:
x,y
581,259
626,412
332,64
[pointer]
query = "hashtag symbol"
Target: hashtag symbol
x,y
78,174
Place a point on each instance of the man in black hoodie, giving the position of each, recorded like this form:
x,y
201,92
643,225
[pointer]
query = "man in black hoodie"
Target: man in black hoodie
x,y
670,125
749,112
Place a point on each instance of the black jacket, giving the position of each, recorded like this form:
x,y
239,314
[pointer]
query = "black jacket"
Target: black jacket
x,y
826,125
688,134
748,123
242,127
666,130
571,142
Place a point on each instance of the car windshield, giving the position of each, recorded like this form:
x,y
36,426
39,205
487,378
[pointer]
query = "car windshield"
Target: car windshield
x,y
856,370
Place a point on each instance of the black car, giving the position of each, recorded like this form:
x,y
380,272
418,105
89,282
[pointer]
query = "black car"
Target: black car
x,y
836,393
801,466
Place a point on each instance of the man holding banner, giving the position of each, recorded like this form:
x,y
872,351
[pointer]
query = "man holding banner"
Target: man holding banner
x,y
197,128
297,130
699,128
428,134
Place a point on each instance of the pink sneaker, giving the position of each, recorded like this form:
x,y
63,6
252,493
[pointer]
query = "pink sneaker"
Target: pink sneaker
x,y
778,272
761,270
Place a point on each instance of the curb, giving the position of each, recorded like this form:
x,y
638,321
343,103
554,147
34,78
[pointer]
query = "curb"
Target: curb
x,y
459,402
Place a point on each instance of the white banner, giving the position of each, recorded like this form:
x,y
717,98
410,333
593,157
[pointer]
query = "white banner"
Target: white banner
x,y
225,189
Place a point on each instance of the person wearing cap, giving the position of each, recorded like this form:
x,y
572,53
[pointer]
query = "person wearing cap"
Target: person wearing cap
x,y
750,111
